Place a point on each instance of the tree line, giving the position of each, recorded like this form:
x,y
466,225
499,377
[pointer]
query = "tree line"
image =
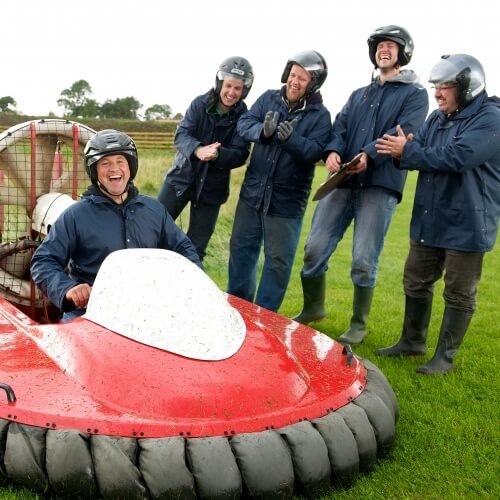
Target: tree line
x,y
77,102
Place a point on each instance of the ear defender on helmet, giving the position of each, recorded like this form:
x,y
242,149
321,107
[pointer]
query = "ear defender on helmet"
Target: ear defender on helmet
x,y
463,70
314,63
395,34
235,68
109,142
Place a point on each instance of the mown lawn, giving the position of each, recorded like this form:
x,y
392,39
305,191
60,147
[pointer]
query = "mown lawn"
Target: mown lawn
x,y
448,433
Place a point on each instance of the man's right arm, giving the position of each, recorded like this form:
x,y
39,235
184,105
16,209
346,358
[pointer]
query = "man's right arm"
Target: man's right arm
x,y
48,266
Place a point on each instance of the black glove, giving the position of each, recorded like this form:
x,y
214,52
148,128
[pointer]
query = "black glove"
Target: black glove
x,y
270,122
285,130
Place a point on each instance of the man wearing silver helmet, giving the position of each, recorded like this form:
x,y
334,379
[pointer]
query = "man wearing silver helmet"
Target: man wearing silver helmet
x,y
456,209
370,192
289,128
208,148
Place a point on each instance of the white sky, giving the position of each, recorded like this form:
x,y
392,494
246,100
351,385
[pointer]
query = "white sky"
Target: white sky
x,y
167,52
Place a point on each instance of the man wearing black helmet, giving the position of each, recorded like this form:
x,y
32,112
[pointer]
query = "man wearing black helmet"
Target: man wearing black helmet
x,y
208,148
111,215
369,194
289,128
456,208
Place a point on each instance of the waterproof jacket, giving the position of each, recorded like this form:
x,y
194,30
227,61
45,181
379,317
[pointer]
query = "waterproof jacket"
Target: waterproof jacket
x,y
89,230
457,199
202,126
279,176
370,113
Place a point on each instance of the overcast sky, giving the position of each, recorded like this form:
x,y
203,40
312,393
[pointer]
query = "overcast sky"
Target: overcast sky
x,y
167,52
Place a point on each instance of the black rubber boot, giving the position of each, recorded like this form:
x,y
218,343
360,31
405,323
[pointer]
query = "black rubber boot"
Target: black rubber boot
x,y
415,328
453,328
360,310
314,299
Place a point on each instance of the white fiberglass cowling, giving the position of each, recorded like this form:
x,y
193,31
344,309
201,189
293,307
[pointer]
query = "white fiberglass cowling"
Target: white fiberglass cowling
x,y
161,299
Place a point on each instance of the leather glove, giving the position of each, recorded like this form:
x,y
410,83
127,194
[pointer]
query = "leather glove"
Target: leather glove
x,y
285,130
270,123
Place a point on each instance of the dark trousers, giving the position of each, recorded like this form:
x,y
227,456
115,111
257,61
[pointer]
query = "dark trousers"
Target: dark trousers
x,y
202,217
462,273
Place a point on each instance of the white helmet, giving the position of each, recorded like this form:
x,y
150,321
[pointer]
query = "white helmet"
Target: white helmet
x,y
47,209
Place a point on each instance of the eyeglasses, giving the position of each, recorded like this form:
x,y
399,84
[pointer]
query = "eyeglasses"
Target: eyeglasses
x,y
443,87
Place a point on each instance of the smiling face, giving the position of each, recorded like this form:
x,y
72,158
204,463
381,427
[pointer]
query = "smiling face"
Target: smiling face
x,y
387,55
230,93
446,97
297,83
113,174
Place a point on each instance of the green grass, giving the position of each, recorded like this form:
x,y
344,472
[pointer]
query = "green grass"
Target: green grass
x,y
448,432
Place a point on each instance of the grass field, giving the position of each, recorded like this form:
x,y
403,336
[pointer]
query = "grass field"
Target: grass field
x,y
448,435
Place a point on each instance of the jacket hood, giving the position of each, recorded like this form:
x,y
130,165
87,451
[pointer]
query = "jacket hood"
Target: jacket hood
x,y
494,100
404,76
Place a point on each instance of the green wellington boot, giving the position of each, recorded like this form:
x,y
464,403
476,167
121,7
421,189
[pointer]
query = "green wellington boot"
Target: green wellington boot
x,y
453,327
314,299
415,328
360,310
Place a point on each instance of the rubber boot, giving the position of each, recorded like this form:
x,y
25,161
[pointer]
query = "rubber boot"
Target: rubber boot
x,y
360,310
415,328
453,328
314,299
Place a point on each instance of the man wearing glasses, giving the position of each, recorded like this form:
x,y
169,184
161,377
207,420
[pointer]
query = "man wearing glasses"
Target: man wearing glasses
x,y
456,209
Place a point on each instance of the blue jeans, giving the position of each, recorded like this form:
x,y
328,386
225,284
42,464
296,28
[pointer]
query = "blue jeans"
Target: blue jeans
x,y
202,217
371,209
280,236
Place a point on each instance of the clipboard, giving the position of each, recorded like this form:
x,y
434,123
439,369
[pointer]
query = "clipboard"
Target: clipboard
x,y
336,178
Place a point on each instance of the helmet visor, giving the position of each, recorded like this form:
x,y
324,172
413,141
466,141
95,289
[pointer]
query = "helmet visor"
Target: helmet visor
x,y
443,72
235,74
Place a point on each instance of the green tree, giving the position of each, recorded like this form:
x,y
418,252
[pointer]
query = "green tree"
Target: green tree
x,y
76,100
158,112
91,109
5,102
122,107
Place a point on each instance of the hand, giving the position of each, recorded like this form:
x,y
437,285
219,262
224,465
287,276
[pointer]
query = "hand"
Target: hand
x,y
209,152
285,130
79,295
270,123
360,166
393,145
333,162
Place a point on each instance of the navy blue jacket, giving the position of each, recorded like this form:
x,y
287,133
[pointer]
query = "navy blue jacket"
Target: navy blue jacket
x,y
370,113
202,126
89,230
457,200
279,176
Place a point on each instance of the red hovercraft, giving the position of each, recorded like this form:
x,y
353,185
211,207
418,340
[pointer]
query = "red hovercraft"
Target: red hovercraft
x,y
167,387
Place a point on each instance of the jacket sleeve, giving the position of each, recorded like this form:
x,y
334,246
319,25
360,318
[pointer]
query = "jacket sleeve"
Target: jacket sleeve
x,y
411,118
251,123
176,240
49,262
232,155
185,139
475,144
338,136
309,137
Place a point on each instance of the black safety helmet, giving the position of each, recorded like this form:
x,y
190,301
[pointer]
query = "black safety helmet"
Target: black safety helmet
x,y
464,71
109,142
314,63
235,67
395,34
